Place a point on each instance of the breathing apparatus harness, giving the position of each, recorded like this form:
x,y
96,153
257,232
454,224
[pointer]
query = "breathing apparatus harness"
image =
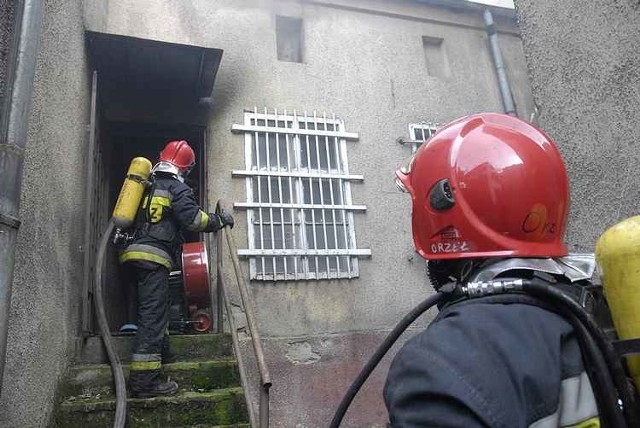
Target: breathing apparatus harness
x,y
123,236
578,302
139,183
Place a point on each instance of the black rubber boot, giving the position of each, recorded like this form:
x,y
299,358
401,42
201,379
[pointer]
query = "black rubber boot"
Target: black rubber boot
x,y
147,384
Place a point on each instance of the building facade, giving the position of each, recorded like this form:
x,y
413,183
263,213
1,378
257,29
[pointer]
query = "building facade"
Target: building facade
x,y
585,82
299,133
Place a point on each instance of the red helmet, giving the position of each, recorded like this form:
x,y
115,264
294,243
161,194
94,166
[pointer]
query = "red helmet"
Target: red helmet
x,y
487,185
179,154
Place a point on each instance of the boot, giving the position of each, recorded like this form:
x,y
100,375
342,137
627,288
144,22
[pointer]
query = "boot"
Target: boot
x,y
147,384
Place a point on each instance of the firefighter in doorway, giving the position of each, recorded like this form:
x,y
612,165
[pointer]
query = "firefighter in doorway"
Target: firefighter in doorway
x,y
169,206
490,200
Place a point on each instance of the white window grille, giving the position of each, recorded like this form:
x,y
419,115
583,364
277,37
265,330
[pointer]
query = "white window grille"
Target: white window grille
x,y
420,133
299,207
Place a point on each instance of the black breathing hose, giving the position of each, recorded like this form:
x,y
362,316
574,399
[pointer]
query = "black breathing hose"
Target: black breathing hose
x,y
114,360
613,362
380,352
599,375
602,364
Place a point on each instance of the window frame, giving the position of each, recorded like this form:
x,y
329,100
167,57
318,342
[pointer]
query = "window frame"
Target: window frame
x,y
424,127
302,204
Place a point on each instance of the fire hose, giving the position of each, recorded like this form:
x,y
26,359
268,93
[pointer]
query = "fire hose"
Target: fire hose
x,y
615,400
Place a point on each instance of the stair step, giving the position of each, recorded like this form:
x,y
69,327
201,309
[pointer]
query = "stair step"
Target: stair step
x,y
196,347
221,426
222,407
97,381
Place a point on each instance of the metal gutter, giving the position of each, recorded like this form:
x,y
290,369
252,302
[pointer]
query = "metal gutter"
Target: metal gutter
x,y
503,81
507,17
20,76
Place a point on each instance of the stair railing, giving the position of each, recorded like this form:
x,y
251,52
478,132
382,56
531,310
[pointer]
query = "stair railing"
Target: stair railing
x,y
221,294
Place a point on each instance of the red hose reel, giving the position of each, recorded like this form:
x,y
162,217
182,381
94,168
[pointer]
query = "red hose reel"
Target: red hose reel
x,y
195,279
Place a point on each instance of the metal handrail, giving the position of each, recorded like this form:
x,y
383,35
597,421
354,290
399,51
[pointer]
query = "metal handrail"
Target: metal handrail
x,y
222,296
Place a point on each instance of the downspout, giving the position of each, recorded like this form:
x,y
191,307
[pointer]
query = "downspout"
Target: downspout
x,y
13,140
503,82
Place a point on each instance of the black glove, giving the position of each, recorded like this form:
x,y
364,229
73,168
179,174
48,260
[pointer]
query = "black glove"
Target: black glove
x,y
225,219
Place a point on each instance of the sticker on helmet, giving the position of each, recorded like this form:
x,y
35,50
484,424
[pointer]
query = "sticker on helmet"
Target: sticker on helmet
x,y
450,247
537,221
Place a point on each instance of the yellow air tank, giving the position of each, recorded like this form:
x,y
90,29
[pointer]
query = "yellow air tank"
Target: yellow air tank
x,y
618,257
124,213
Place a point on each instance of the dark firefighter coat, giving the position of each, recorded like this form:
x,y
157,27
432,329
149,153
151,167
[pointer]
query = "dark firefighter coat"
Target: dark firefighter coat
x,y
483,363
169,206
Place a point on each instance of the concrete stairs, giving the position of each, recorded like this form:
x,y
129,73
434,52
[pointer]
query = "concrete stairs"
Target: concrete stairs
x,y
210,394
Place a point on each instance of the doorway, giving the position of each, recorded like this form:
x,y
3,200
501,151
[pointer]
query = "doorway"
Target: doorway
x,y
125,141
145,93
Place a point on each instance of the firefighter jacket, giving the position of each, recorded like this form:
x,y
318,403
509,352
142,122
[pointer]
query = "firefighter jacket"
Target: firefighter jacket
x,y
497,361
169,207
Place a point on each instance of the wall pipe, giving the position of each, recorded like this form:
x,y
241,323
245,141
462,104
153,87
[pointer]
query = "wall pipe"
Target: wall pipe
x,y
13,140
503,82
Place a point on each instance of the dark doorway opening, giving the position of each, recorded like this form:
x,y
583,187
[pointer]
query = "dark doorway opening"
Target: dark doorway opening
x,y
145,94
125,141
128,140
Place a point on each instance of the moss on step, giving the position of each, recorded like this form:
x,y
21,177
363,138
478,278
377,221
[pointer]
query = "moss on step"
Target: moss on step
x,y
185,347
96,380
204,376
221,407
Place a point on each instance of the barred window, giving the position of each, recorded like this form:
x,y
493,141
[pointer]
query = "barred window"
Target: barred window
x,y
299,208
420,133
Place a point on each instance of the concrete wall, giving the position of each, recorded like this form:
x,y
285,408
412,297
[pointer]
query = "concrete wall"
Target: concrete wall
x,y
369,69
585,72
364,60
44,316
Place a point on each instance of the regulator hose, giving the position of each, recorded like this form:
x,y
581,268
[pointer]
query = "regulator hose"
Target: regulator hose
x,y
114,359
380,352
602,364
613,362
601,381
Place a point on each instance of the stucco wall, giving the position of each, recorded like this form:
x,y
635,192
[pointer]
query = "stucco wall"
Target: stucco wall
x,y
363,60
585,71
369,69
48,271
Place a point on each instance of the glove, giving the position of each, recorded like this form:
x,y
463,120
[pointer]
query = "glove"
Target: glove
x,y
225,219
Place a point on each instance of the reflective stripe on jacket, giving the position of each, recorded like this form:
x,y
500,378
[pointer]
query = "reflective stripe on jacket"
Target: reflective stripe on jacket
x,y
170,207
483,363
148,253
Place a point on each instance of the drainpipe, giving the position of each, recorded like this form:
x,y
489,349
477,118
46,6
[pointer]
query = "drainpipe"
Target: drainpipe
x,y
20,74
503,82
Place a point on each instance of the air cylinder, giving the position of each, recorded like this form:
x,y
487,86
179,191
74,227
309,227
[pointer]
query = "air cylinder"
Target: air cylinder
x,y
618,258
124,213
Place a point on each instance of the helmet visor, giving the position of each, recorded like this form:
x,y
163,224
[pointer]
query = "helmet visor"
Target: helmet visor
x,y
402,177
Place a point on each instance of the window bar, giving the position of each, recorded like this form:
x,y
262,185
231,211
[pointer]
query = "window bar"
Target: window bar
x,y
320,187
300,194
313,214
252,205
251,215
260,220
269,189
282,222
347,192
341,169
333,211
292,200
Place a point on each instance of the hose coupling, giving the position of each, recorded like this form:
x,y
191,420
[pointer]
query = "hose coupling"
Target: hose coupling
x,y
479,289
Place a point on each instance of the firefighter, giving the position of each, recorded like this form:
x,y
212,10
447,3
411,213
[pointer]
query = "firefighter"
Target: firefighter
x,y
168,208
490,200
